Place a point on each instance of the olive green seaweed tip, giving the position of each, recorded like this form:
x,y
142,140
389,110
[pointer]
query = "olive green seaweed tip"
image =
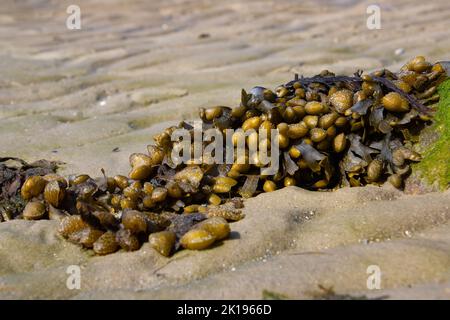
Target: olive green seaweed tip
x,y
272,295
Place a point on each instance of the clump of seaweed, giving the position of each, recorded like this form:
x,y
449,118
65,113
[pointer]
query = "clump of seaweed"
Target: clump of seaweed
x,y
13,173
333,131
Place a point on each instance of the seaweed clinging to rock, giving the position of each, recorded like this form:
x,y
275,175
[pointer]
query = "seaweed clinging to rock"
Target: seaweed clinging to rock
x,y
332,131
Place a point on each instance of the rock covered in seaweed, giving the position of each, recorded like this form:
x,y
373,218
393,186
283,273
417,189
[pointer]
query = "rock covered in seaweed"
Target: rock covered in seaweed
x,y
333,131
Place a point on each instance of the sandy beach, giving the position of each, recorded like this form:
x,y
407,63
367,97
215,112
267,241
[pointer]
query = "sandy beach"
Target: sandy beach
x,y
91,97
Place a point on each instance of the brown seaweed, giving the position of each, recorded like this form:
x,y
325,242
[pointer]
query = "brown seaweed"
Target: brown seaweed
x,y
333,131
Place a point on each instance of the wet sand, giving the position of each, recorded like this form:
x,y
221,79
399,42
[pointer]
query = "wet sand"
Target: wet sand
x,y
137,66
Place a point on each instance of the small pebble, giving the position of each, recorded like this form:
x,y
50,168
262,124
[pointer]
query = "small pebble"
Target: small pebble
x,y
399,51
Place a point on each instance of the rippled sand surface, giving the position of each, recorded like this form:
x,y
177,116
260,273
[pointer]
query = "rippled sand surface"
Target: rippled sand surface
x,y
137,66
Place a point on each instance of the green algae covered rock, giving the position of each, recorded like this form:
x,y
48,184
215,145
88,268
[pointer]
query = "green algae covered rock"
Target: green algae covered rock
x,y
433,172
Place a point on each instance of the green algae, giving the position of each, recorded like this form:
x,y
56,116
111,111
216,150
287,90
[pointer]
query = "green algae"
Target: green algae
x,y
435,165
272,295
